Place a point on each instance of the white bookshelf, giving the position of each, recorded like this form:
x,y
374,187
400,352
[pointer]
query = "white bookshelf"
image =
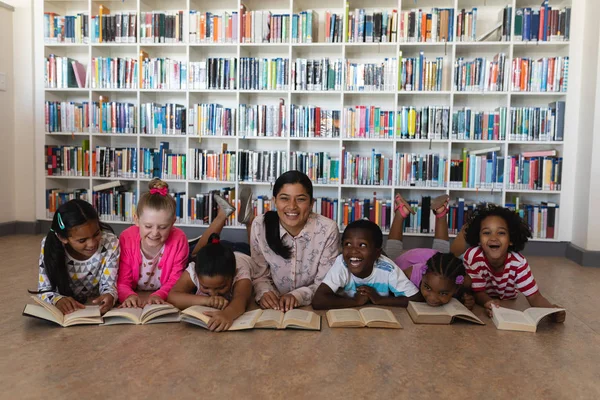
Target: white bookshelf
x,y
337,100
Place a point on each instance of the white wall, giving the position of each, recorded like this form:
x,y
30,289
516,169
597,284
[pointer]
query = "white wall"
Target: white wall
x,y
7,133
593,228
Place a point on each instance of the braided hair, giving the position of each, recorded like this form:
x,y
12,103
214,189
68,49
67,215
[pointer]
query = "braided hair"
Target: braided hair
x,y
447,266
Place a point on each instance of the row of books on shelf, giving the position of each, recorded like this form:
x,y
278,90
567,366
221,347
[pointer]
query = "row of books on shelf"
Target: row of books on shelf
x,y
544,23
116,203
547,74
521,123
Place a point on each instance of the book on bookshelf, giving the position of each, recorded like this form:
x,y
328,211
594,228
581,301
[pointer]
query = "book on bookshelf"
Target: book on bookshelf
x,y
377,26
542,24
430,122
212,120
163,73
262,120
120,27
305,26
113,117
468,124
56,197
418,74
213,74
207,27
114,73
417,25
538,123
60,73
376,169
481,74
264,73
66,116
373,209
534,171
66,29
368,122
317,75
260,166
159,119
478,169
542,218
314,121
320,167
547,74
207,165
161,27
68,160
202,208
262,26
371,77
114,203
421,170
111,162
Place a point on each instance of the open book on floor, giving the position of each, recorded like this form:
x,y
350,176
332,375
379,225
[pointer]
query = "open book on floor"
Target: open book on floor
x,y
366,317
269,319
150,314
90,315
422,313
525,321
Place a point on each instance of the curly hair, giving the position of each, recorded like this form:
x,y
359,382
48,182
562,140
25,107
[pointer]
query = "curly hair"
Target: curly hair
x,y
518,230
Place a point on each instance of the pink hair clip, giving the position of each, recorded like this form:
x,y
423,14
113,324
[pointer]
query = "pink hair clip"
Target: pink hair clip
x,y
161,191
460,280
424,270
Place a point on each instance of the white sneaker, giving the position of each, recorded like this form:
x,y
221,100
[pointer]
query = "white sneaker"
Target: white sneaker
x,y
246,210
224,205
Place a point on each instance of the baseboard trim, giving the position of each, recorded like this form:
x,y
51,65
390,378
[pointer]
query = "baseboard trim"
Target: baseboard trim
x,y
20,228
585,258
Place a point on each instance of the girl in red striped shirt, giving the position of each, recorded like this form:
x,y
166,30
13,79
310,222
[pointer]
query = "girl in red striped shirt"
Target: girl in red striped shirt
x,y
497,269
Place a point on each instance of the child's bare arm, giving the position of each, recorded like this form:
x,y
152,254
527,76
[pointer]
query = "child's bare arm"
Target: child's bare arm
x,y
181,297
537,300
325,299
484,300
392,301
242,293
459,245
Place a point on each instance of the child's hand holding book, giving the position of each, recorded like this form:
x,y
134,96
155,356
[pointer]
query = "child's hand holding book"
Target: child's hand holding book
x,y
67,305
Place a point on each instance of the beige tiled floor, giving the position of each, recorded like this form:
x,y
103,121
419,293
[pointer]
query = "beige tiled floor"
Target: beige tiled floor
x,y
180,361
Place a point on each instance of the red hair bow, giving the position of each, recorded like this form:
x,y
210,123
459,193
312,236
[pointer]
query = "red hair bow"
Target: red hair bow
x,y
161,191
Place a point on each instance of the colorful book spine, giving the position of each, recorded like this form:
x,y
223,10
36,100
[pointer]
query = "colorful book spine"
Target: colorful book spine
x,y
66,116
537,123
481,74
264,73
66,29
314,121
213,74
163,73
161,27
202,208
534,173
261,166
478,170
111,162
262,26
115,204
212,120
114,73
371,77
206,165
468,124
57,197
368,122
466,25
542,24
113,117
371,26
167,119
68,160
459,213
423,122
60,73
206,27
547,74
421,170
320,167
375,210
421,26
376,169
261,120
542,218
418,74
120,27
317,75
305,26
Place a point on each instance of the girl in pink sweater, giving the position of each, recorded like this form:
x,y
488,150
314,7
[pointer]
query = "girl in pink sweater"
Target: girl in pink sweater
x,y
153,252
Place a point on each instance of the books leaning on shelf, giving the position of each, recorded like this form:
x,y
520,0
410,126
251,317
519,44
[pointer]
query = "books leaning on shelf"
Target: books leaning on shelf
x,y
67,116
368,122
202,208
421,26
371,77
377,169
262,120
213,74
64,73
161,27
422,313
535,170
262,26
56,197
418,74
167,119
538,123
314,121
207,165
320,167
206,27
264,73
371,27
114,73
65,29
317,75
421,170
423,122
118,28
375,210
542,218
68,160
90,315
369,317
478,169
480,75
468,124
265,319
500,30
542,24
260,166
506,319
150,314
547,74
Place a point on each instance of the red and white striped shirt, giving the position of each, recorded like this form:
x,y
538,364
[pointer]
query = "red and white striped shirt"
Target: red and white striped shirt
x,y
504,284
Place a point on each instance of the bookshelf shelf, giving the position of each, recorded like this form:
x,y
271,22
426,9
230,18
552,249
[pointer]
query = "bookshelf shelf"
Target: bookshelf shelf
x,y
335,100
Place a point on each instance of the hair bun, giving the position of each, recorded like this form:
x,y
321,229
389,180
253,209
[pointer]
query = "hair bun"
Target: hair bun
x,y
157,183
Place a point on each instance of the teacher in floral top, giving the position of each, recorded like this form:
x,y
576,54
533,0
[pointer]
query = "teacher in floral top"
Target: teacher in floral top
x,y
293,247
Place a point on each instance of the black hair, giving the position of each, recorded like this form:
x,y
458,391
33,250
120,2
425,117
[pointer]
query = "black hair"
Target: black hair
x,y
368,226
69,215
271,219
215,259
518,230
446,265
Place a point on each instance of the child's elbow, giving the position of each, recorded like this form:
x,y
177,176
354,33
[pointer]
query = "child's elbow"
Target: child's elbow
x,y
319,302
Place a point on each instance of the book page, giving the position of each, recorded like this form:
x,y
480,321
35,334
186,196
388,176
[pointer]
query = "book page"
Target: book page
x,y
426,309
378,314
537,313
299,316
197,312
246,320
270,319
344,315
511,316
301,319
40,312
56,313
456,309
87,312
152,311
132,314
